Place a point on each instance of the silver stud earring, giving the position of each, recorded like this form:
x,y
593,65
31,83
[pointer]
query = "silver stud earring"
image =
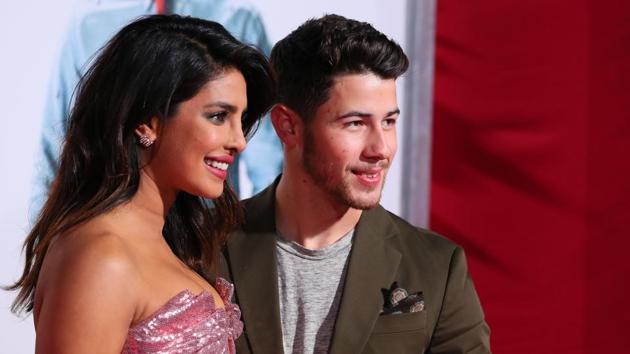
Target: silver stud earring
x,y
145,141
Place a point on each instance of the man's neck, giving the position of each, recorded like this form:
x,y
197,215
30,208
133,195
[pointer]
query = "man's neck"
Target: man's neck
x,y
308,215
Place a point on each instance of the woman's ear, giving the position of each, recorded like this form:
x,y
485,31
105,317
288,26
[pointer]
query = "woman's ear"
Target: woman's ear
x,y
147,132
288,125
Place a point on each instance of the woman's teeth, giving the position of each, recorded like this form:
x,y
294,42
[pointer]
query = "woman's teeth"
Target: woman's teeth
x,y
216,164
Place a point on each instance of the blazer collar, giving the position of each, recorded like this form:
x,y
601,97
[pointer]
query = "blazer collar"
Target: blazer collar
x,y
251,255
373,266
252,258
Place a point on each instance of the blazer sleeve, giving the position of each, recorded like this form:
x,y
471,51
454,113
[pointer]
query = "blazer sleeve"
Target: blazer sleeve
x,y
461,327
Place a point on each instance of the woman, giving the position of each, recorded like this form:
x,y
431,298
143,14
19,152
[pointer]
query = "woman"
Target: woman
x,y
122,257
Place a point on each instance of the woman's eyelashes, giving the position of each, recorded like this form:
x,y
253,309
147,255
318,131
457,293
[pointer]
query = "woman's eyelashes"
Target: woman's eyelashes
x,y
217,117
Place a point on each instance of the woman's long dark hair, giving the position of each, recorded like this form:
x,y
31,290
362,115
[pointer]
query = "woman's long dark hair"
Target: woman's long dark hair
x,y
145,71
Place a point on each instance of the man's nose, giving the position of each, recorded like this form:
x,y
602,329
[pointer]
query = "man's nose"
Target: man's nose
x,y
379,146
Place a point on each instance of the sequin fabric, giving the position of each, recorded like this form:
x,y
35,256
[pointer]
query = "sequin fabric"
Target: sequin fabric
x,y
189,323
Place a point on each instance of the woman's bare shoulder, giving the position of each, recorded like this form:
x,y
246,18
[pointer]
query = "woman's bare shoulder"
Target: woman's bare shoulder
x,y
92,248
86,260
88,282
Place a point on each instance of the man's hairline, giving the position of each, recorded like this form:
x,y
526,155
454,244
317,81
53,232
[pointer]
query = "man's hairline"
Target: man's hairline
x,y
307,120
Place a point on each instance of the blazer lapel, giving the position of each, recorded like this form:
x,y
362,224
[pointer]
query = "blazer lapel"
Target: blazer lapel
x,y
373,266
252,262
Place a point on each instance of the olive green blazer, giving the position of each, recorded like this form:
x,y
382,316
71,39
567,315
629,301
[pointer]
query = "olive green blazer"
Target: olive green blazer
x,y
385,249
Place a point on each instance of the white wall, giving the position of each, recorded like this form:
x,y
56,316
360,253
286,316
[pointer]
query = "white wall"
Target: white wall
x,y
30,32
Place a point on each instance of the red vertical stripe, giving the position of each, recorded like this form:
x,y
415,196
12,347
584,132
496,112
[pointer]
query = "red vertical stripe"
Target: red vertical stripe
x,y
608,196
160,7
531,129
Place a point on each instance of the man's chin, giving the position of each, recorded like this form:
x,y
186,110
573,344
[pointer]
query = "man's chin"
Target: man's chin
x,y
364,206
363,202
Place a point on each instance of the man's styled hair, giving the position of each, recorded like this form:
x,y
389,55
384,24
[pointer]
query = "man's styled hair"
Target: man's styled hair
x,y
308,60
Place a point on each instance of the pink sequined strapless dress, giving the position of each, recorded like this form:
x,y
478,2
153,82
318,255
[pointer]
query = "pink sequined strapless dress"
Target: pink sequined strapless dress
x,y
189,323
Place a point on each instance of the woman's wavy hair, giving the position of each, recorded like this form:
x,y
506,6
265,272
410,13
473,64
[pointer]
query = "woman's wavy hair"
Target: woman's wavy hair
x,y
146,70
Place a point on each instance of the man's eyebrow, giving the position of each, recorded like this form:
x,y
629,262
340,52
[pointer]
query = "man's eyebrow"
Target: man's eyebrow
x,y
354,114
227,106
365,115
393,113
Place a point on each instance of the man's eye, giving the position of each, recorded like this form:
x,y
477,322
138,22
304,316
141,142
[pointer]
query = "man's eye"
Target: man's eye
x,y
390,122
354,123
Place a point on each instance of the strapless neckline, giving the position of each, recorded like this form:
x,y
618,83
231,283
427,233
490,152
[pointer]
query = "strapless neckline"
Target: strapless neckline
x,y
177,298
189,323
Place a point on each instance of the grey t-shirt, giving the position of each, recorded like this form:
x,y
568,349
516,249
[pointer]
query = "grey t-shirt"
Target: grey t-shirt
x,y
310,283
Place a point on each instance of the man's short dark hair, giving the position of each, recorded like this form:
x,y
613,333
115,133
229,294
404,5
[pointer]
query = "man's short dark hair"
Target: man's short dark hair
x,y
308,60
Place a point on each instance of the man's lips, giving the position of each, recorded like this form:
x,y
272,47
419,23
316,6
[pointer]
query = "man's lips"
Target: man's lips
x,y
369,177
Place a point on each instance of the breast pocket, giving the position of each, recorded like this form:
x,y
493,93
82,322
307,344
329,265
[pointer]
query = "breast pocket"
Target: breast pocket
x,y
402,333
404,322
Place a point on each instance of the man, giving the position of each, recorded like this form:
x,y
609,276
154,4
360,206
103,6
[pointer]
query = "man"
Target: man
x,y
320,266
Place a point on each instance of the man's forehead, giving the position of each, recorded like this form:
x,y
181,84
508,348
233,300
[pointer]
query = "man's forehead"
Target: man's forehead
x,y
364,91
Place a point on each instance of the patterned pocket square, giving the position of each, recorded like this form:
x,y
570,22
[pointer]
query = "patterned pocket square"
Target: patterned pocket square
x,y
397,300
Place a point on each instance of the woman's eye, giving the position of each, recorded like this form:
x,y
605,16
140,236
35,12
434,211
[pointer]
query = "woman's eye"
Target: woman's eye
x,y
218,117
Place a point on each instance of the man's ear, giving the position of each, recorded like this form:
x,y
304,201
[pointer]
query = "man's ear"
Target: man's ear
x,y
288,125
147,132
